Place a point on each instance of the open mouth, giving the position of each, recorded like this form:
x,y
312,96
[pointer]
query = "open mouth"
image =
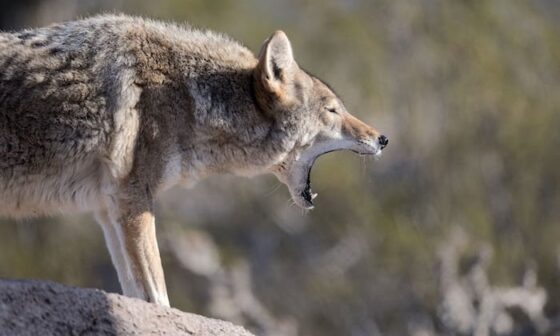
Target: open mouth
x,y
302,194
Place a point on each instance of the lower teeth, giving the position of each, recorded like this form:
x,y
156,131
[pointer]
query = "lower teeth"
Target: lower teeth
x,y
308,195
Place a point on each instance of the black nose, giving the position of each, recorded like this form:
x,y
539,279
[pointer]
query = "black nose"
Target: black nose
x,y
383,141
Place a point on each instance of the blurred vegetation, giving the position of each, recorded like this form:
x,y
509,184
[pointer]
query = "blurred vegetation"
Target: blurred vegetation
x,y
467,92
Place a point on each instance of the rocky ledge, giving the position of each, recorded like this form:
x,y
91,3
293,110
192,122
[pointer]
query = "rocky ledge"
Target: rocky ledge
x,y
46,308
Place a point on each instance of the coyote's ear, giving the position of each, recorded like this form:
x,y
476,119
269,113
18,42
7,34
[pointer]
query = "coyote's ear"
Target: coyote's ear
x,y
276,62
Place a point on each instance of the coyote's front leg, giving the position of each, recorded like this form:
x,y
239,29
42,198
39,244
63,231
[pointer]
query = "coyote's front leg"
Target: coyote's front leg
x,y
130,235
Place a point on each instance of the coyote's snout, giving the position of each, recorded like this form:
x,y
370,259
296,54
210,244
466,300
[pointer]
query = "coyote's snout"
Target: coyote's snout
x,y
103,114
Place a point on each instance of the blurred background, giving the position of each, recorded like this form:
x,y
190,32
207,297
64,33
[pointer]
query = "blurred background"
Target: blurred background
x,y
453,232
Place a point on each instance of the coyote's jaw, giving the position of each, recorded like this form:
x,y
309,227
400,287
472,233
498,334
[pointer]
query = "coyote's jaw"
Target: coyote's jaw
x,y
297,176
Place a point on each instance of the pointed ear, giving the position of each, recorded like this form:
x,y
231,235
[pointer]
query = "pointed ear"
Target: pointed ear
x,y
276,62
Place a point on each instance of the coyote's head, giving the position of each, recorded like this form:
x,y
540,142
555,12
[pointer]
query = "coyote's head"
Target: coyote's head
x,y
313,115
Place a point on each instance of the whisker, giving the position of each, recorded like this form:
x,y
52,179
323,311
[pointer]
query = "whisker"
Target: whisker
x,y
276,187
291,201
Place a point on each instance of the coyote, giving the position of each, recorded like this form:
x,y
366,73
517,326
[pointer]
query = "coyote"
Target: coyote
x,y
102,114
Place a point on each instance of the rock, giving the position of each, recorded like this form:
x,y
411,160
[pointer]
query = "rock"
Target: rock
x,y
46,308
